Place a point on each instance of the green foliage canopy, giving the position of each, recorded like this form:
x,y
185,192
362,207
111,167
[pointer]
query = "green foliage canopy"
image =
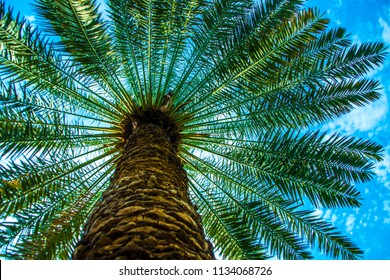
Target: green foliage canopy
x,y
247,82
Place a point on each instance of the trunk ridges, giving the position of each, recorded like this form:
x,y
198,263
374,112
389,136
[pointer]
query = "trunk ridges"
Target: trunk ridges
x,y
146,212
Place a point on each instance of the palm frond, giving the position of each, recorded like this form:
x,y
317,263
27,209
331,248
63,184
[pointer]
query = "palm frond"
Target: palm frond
x,y
300,81
29,132
27,56
18,96
84,36
269,216
298,165
52,200
38,182
238,84
231,238
218,20
318,233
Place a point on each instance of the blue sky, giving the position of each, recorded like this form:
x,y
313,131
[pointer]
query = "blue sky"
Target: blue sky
x,y
369,225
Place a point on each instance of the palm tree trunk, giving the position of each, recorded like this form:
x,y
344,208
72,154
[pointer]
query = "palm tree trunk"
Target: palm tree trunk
x,y
146,212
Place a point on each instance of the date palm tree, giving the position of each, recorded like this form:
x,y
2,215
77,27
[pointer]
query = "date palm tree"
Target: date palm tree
x,y
174,129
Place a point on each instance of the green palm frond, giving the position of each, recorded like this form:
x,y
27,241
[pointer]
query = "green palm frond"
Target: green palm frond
x,y
297,165
235,213
86,39
34,124
240,85
50,201
27,56
151,37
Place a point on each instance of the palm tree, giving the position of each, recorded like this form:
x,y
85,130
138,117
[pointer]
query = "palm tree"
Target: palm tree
x,y
147,130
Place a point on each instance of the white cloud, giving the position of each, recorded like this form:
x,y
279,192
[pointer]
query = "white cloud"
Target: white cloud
x,y
318,212
339,3
367,118
327,214
386,30
334,218
350,223
372,72
361,119
386,208
356,39
382,169
30,18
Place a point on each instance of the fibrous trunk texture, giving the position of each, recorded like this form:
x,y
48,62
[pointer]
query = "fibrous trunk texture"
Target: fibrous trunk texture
x,y
146,213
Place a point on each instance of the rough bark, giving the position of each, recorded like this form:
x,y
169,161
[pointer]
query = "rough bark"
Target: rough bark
x,y
146,212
